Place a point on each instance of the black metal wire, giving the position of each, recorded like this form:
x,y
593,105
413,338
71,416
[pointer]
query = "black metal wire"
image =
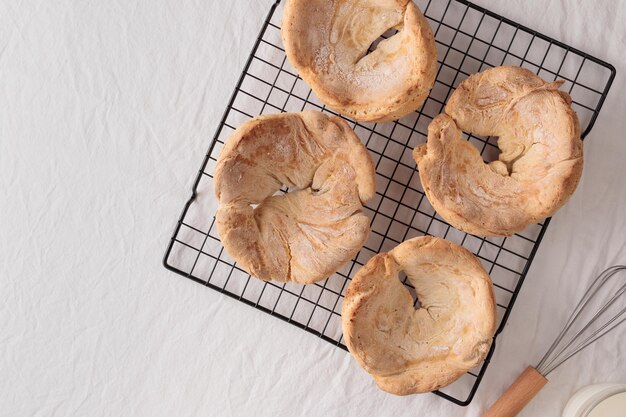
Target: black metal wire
x,y
399,211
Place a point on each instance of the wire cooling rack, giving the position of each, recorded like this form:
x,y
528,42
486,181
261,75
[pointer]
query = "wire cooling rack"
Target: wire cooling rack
x,y
469,39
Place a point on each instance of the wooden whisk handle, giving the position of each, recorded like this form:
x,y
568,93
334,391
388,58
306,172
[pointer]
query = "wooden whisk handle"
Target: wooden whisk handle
x,y
519,394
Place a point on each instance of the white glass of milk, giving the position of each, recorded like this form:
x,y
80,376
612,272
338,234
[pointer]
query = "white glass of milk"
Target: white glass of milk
x,y
603,400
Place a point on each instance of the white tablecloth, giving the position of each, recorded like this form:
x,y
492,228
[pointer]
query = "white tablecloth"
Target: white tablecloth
x,y
106,110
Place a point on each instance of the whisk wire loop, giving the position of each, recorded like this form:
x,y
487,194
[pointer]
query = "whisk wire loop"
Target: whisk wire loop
x,y
567,345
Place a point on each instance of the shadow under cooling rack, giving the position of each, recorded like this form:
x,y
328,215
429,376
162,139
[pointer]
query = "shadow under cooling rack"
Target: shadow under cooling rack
x,y
469,39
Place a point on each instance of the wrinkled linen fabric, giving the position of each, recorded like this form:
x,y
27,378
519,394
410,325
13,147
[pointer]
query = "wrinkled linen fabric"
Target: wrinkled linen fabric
x,y
106,111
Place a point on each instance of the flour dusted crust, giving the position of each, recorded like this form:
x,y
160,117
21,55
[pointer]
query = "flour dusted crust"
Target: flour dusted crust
x,y
410,350
327,42
541,157
305,235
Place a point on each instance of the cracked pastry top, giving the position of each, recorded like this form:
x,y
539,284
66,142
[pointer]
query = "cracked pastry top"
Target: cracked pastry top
x,y
310,232
329,44
410,350
540,161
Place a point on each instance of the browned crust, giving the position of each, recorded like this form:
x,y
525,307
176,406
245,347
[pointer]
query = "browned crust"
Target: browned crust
x,y
384,355
301,17
541,158
311,232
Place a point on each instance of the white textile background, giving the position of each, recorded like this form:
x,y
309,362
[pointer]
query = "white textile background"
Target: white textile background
x,y
106,111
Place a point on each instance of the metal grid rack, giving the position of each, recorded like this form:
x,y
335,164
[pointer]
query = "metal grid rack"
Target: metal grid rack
x,y
469,39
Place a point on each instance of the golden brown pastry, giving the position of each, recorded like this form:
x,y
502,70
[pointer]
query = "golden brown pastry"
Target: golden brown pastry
x,y
327,42
541,157
409,350
305,235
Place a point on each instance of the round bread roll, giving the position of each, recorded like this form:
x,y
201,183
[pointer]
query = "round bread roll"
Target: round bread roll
x,y
409,350
541,153
305,235
328,42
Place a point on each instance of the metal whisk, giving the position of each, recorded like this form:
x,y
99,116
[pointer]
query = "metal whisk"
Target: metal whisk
x,y
601,309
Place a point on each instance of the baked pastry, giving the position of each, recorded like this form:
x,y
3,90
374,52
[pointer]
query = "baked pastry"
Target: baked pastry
x,y
305,235
409,350
541,157
327,42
